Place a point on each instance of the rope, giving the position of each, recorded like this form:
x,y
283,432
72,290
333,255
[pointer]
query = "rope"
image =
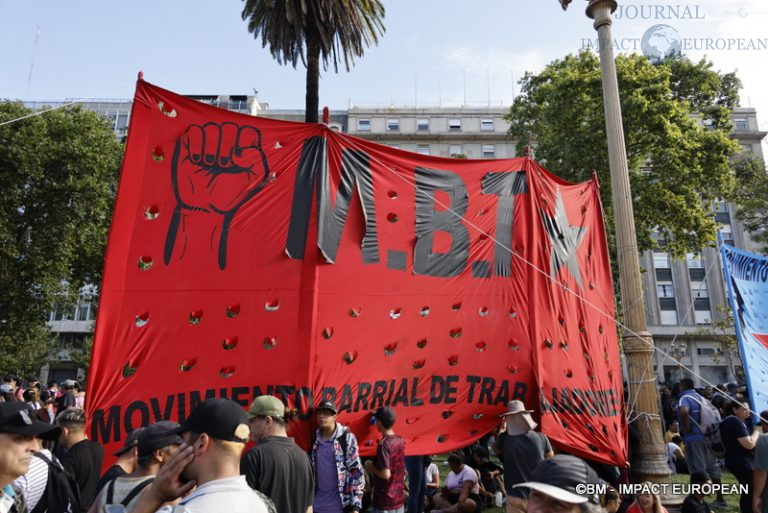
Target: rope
x,y
39,113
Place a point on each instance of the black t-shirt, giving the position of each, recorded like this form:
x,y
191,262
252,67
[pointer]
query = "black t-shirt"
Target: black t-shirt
x,y
485,470
83,460
736,456
112,472
66,400
693,505
520,454
279,469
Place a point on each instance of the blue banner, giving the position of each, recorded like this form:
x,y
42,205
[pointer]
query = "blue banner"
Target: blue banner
x,y
746,276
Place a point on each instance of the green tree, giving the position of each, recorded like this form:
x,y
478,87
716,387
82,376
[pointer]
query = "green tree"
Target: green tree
x,y
751,196
676,122
310,30
58,175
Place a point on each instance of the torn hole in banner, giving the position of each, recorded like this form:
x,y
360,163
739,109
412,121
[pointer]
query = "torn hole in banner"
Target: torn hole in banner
x,y
422,343
512,313
129,370
233,311
424,311
513,346
188,365
227,372
392,194
453,360
456,332
270,342
456,306
145,263
355,312
166,109
151,213
513,369
418,364
158,154
446,414
390,349
142,319
229,343
442,438
477,416
564,345
411,420
272,306
392,217
395,312
195,317
350,357
548,344
483,311
481,346
327,332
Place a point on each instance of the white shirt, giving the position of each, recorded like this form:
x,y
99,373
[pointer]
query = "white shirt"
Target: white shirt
x,y
231,494
33,483
432,472
456,481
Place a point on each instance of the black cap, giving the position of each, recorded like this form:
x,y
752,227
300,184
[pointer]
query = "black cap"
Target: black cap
x,y
158,435
131,441
560,478
327,405
385,415
15,418
222,419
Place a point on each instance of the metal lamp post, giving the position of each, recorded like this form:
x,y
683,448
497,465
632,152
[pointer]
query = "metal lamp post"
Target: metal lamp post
x,y
650,455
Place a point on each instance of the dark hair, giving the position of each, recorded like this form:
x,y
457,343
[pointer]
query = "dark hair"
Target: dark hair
x,y
610,495
764,416
737,402
481,452
699,477
288,416
677,440
455,459
686,383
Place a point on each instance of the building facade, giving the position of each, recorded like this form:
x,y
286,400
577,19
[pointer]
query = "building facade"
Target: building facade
x,y
685,300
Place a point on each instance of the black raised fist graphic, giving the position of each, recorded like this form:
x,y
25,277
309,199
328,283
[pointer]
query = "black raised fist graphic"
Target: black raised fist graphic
x,y
215,169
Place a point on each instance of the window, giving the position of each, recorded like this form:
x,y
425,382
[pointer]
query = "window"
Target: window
x,y
423,149
699,289
363,125
486,125
702,316
122,122
740,124
721,206
660,260
665,290
83,312
422,125
489,151
455,149
668,317
694,260
708,351
393,125
746,148
454,125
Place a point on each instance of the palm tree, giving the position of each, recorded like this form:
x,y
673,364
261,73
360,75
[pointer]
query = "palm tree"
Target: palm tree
x,y
308,30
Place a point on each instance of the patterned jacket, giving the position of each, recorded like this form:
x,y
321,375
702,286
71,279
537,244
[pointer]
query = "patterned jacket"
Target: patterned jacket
x,y
350,471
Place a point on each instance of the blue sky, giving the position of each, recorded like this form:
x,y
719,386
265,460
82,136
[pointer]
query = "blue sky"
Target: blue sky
x,y
434,51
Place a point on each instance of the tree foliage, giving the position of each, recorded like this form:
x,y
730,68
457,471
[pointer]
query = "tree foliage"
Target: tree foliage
x,y
676,124
751,196
58,175
333,31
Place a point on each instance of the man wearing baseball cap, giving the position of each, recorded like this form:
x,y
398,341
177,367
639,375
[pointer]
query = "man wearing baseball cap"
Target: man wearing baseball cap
x,y
557,485
277,466
388,469
335,458
208,460
19,434
520,449
126,459
154,447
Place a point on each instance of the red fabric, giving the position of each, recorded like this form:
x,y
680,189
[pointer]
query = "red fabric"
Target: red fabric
x,y
446,352
762,338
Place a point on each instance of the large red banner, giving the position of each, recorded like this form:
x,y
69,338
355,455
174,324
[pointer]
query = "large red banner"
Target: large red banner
x,y
252,256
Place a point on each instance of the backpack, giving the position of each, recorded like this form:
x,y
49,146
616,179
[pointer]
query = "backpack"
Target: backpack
x,y
128,498
61,495
710,419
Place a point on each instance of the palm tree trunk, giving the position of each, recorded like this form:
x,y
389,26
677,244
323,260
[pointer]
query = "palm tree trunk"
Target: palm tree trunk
x,y
312,103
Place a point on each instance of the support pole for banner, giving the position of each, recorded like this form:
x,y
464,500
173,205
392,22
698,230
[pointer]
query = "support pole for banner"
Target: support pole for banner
x,y
649,463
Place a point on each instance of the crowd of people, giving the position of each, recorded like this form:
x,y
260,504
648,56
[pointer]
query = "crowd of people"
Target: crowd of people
x,y
48,464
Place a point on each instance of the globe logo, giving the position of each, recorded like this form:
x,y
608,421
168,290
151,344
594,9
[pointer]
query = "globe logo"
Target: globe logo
x,y
661,42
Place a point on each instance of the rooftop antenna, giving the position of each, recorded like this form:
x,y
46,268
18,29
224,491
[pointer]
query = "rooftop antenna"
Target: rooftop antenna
x,y
439,90
465,87
488,83
32,63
